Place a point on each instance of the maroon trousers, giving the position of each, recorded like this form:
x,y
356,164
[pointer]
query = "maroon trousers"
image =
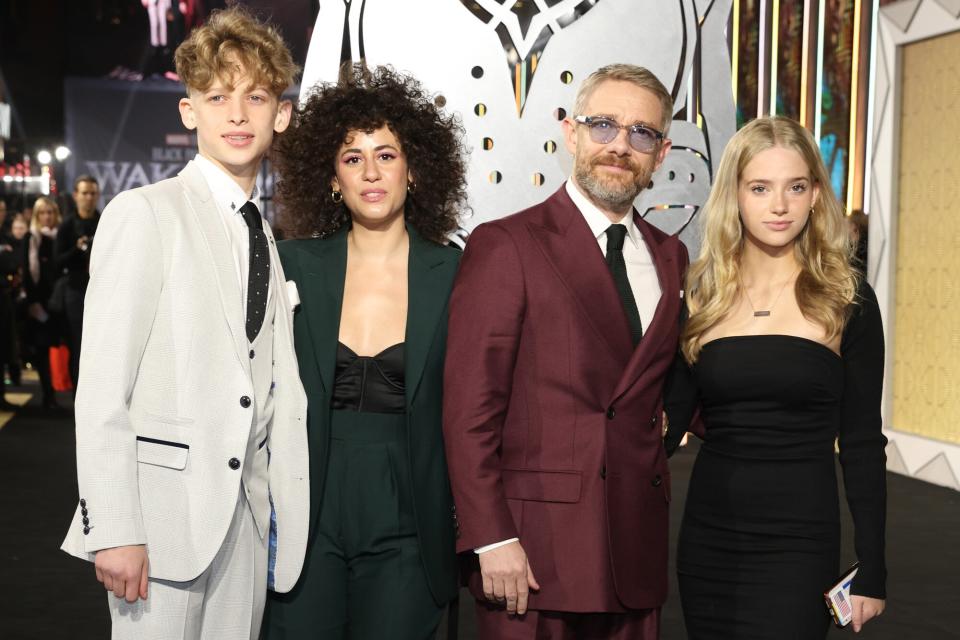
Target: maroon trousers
x,y
493,623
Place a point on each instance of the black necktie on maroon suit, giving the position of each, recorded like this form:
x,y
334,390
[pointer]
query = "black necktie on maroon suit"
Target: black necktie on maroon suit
x,y
258,278
616,233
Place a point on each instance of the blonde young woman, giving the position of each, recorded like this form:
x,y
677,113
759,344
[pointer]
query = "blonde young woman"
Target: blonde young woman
x,y
782,354
41,329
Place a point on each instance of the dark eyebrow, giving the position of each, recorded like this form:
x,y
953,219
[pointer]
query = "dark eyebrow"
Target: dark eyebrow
x,y
377,148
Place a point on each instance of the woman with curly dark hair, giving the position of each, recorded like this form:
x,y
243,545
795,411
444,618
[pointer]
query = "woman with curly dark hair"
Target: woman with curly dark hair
x,y
372,182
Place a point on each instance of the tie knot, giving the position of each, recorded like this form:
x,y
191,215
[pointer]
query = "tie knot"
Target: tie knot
x,y
251,215
615,235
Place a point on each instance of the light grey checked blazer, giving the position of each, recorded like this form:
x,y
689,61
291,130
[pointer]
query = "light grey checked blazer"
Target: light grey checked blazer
x,y
162,411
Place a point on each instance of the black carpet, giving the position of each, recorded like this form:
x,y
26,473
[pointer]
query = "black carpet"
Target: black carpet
x,y
47,595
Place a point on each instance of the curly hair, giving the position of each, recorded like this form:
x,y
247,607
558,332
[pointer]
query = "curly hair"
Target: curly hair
x,y
366,100
234,38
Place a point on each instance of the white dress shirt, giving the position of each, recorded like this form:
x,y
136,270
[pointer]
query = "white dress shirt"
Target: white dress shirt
x,y
641,272
229,197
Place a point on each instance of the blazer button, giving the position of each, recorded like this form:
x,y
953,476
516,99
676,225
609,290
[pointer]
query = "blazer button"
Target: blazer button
x,y
611,413
653,420
245,401
252,354
234,464
657,481
603,471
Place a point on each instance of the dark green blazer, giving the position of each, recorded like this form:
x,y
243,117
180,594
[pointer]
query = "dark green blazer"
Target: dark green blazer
x,y
318,266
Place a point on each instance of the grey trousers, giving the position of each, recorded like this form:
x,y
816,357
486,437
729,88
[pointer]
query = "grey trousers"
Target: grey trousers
x,y
225,602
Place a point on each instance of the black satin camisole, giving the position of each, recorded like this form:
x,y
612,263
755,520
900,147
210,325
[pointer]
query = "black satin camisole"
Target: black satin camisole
x,y
372,384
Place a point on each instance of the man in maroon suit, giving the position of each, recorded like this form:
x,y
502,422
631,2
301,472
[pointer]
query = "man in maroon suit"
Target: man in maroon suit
x,y
563,324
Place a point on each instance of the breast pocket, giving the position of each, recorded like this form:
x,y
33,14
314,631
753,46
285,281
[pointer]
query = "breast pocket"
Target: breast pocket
x,y
165,446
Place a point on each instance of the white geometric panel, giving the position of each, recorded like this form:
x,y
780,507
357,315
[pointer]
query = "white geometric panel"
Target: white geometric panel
x,y
952,7
901,13
895,461
881,88
511,77
877,245
703,6
938,471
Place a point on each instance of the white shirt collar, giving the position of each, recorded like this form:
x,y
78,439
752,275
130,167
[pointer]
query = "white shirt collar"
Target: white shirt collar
x,y
597,220
226,192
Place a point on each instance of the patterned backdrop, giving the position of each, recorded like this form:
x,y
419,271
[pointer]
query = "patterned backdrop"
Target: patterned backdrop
x,y
926,370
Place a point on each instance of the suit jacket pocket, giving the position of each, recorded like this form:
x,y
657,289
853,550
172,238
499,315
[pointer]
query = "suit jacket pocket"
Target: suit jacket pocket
x,y
163,453
167,419
542,486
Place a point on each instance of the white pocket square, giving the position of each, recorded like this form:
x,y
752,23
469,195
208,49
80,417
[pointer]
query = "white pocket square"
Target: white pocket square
x,y
292,294
681,293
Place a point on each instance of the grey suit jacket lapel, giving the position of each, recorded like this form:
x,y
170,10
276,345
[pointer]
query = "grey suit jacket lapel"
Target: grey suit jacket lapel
x,y
208,220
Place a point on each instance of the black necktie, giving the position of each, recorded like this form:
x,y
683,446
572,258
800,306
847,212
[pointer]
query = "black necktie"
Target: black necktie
x,y
258,278
618,269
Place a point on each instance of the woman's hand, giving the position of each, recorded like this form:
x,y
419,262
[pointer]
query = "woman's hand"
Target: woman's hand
x,y
864,609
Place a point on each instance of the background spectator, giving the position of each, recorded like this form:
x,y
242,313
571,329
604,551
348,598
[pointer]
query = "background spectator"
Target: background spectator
x,y
41,327
72,255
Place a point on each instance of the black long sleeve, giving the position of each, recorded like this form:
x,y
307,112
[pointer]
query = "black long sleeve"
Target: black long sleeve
x,y
681,397
862,443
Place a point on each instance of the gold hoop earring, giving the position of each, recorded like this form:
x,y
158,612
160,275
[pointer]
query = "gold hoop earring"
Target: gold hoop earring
x,y
411,186
336,196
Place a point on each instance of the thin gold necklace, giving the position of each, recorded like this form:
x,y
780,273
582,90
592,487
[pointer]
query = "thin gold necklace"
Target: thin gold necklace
x,y
763,313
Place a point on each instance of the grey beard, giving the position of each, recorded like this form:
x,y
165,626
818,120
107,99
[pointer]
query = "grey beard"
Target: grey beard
x,y
614,195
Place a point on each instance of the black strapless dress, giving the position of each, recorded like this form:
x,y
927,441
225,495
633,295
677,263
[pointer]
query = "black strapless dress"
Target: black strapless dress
x,y
760,538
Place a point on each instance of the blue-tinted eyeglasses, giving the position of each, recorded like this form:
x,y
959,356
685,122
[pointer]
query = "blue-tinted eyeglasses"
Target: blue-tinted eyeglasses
x,y
604,130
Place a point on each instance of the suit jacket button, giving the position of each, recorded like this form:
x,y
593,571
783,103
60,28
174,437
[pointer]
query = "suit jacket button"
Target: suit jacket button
x,y
234,464
611,413
603,471
657,481
653,420
244,401
86,530
252,354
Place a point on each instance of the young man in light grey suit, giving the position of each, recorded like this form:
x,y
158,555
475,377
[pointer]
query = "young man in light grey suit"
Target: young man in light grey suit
x,y
190,413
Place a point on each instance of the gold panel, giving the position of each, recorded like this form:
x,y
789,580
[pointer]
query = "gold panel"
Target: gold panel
x,y
926,343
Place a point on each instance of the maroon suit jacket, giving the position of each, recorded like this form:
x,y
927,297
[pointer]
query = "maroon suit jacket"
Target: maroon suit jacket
x,y
552,420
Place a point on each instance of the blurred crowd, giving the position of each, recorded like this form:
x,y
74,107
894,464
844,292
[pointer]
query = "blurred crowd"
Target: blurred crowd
x,y
44,267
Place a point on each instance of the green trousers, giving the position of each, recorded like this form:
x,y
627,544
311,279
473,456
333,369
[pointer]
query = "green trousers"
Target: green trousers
x,y
363,578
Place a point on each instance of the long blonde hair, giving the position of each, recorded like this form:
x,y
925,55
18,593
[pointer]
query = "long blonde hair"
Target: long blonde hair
x,y
826,284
